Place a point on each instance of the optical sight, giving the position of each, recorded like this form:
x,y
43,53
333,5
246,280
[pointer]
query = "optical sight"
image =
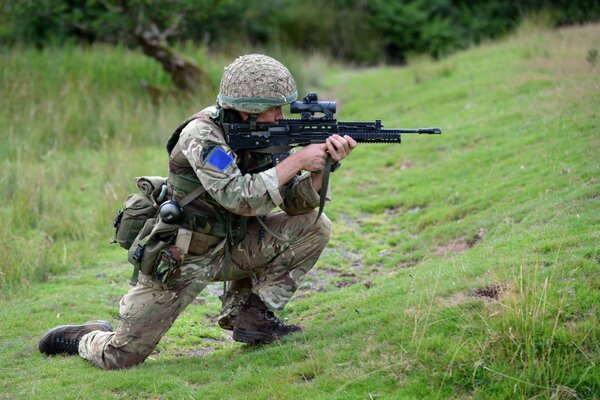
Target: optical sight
x,y
311,105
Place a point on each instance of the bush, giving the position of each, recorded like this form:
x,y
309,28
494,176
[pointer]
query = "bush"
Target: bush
x,y
352,30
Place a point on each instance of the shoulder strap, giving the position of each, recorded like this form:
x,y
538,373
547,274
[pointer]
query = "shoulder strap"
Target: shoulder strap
x,y
192,195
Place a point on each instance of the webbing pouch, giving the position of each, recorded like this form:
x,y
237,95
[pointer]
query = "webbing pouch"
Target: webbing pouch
x,y
135,212
144,253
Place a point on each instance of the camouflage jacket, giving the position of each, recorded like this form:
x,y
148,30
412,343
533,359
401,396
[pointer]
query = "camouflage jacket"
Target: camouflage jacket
x,y
201,149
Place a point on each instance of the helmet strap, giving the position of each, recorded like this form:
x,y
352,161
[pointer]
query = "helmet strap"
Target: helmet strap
x,y
221,116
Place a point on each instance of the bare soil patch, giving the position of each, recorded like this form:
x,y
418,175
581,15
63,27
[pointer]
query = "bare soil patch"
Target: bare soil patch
x,y
460,245
492,291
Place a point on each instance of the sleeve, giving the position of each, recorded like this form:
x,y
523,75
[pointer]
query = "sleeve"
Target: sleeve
x,y
214,163
300,197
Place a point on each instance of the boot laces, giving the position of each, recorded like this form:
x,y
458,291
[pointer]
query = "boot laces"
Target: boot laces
x,y
66,345
270,316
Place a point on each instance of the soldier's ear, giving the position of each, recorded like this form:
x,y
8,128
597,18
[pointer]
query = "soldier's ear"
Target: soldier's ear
x,y
244,115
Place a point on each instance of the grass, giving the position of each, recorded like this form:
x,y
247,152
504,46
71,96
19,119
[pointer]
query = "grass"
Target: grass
x,y
78,128
469,271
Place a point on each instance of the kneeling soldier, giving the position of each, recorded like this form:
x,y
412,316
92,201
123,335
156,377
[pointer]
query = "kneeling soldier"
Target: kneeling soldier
x,y
265,259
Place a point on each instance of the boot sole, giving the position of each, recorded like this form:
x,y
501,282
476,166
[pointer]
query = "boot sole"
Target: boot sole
x,y
106,324
252,337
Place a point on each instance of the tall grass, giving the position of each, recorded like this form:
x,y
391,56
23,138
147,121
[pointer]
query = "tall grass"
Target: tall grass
x,y
72,117
535,341
77,128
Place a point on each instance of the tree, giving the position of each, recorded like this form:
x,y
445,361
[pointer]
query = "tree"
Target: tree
x,y
148,24
145,27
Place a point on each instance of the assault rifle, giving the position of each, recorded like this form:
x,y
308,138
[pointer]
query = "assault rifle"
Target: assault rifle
x,y
277,139
309,129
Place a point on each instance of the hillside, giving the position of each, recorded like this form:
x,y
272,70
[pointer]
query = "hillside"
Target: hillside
x,y
461,266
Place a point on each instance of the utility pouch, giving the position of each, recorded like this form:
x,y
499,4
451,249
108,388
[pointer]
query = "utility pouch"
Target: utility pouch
x,y
137,209
144,253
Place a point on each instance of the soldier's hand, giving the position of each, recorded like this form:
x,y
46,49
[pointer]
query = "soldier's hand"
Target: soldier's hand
x,y
310,158
313,157
340,147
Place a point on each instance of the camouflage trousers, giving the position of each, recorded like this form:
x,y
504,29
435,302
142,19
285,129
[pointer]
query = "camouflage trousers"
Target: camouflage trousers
x,y
270,268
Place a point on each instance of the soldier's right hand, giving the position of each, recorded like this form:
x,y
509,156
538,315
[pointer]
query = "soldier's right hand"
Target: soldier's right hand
x,y
313,157
310,158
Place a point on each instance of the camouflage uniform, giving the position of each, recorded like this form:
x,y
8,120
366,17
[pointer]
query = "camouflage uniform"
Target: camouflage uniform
x,y
264,265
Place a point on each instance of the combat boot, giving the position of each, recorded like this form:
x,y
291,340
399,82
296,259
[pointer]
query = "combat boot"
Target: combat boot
x,y
257,324
65,338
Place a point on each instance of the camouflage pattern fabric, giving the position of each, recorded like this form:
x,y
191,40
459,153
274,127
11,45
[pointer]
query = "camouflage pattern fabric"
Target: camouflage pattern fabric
x,y
274,270
268,267
242,194
254,83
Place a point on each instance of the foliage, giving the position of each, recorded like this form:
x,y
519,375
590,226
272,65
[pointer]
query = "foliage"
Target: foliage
x,y
367,32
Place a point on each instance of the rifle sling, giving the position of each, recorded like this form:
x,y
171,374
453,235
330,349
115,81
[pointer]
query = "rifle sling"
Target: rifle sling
x,y
324,186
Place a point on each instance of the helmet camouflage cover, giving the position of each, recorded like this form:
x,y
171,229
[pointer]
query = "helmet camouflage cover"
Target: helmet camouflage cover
x,y
255,83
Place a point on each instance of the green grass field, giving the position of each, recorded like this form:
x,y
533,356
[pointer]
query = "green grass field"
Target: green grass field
x,y
461,266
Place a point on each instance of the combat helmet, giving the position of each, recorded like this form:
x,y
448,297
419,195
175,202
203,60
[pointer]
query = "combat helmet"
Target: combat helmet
x,y
255,83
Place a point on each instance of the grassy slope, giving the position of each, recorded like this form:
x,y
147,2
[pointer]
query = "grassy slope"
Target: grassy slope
x,y
77,127
505,204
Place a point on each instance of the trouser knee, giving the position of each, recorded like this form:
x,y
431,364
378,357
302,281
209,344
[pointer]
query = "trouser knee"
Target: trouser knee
x,y
309,237
321,230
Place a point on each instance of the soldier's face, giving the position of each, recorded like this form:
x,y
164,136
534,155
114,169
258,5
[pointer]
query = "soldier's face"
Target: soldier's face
x,y
270,116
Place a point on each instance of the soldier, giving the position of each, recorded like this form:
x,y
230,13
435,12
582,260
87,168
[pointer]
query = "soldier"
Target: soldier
x,y
236,236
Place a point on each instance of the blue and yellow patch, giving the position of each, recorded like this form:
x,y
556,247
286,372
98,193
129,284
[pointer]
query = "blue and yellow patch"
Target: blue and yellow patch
x,y
219,159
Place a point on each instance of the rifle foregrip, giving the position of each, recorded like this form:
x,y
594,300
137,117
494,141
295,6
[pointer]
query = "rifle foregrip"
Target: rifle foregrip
x,y
374,137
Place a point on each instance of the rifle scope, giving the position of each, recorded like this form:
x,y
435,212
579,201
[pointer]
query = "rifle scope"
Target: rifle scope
x,y
311,104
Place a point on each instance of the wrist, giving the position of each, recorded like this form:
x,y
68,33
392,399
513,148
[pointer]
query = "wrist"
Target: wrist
x,y
288,168
316,180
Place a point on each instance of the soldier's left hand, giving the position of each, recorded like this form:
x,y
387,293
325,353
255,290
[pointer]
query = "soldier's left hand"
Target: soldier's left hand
x,y
340,147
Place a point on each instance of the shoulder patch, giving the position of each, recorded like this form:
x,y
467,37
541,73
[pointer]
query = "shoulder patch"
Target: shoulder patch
x,y
219,159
